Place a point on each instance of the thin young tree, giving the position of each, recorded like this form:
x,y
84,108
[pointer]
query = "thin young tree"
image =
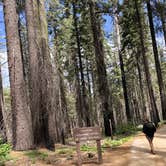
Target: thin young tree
x,y
157,61
2,118
103,106
85,106
123,76
154,110
161,11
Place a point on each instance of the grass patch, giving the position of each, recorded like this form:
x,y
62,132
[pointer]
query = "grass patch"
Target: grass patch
x,y
162,123
87,148
36,155
65,151
116,142
123,134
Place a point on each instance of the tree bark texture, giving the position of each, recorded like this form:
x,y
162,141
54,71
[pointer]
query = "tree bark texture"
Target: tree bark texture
x,y
34,83
22,122
41,83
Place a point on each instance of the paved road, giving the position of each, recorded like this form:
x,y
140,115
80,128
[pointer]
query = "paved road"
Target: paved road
x,y
140,151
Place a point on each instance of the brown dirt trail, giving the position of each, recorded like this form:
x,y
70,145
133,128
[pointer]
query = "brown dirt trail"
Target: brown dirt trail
x,y
136,152
140,153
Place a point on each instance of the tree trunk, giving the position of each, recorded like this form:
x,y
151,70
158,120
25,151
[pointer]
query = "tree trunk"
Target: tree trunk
x,y
65,123
126,98
103,106
154,111
2,115
89,81
34,68
141,84
24,50
47,83
94,94
42,92
64,108
157,62
164,27
78,102
5,115
85,106
22,122
163,17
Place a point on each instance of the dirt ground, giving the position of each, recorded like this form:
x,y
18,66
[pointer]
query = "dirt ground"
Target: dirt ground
x,y
136,152
140,155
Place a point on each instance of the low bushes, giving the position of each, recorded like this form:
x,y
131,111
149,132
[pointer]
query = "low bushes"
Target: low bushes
x,y
5,149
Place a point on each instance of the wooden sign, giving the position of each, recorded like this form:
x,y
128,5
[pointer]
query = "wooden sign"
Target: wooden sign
x,y
88,134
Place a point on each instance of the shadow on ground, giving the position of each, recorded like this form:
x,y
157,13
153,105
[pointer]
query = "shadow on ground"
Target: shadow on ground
x,y
145,150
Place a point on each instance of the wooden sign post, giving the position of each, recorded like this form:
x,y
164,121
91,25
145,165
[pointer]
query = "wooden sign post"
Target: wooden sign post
x,y
88,134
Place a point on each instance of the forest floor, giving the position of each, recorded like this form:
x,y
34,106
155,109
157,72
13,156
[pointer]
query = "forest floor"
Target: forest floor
x,y
135,152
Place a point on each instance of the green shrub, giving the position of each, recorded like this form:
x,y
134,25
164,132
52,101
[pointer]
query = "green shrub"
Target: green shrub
x,y
4,152
1,141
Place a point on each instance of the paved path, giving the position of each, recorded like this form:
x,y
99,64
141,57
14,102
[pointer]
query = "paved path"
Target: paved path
x,y
140,151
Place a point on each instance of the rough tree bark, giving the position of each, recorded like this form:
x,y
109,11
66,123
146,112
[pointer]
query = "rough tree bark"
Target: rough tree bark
x,y
34,67
47,88
41,82
22,122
